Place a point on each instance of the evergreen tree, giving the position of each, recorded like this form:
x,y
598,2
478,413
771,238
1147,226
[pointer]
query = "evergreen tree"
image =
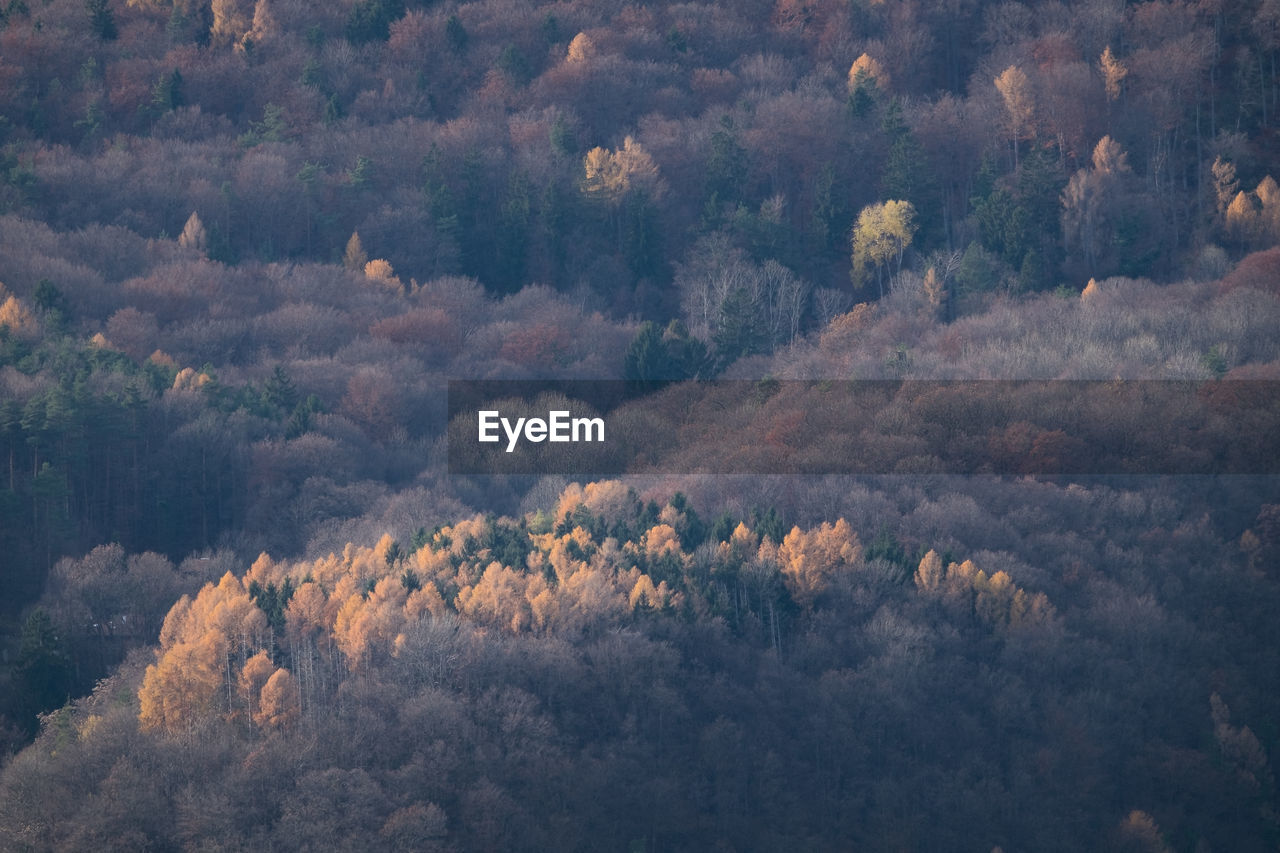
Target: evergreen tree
x,y
456,34
101,19
726,173
43,664
370,20
908,175
167,94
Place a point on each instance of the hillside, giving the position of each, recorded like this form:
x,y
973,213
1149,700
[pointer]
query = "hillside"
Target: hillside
x,y
247,600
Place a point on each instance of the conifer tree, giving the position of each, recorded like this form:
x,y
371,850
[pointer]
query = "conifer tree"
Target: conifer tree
x,y
355,257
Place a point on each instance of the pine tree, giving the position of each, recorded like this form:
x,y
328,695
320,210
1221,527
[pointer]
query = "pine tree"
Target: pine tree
x,y
43,664
101,20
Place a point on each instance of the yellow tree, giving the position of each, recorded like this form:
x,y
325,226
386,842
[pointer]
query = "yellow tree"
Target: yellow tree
x,y
382,273
881,235
810,560
611,174
230,21
365,627
1019,103
182,685
581,49
591,598
253,676
1113,73
1140,832
194,236
305,613
203,645
264,28
867,69
355,256
930,575
498,599
279,705
1268,193
1242,218
1225,184
15,317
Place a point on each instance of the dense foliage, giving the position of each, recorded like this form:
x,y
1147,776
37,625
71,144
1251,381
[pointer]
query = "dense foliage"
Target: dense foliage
x,y
610,673
244,244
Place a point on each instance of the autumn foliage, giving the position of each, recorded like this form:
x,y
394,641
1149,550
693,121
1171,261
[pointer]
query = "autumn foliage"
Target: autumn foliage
x,y
358,612
244,244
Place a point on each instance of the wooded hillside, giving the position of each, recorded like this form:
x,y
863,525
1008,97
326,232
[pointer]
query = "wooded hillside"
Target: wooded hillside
x,y
244,246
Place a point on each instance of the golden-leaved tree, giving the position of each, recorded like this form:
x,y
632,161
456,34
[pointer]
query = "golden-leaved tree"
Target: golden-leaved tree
x,y
353,614
204,644
1019,104
881,235
995,600
610,175
811,560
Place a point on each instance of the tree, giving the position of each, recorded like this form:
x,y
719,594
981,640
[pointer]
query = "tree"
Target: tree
x,y
355,257
230,21
43,664
280,392
15,317
882,234
204,646
1225,184
830,215
1139,833
656,355
193,235
1105,218
279,704
182,685
1113,73
168,93
626,180
908,174
742,307
1018,216
1019,104
370,20
381,271
866,83
647,359
581,49
53,303
271,129
930,575
264,27
253,675
864,69
726,173
101,20
1241,218
456,34
610,174
811,560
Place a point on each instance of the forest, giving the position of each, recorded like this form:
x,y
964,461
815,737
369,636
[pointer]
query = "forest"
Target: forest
x,y
251,599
